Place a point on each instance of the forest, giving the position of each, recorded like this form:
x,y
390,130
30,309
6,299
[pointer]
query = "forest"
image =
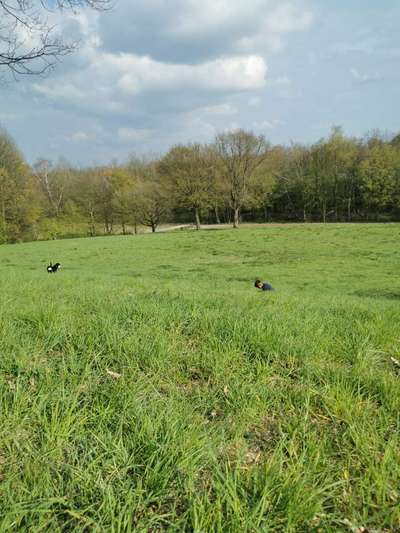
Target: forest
x,y
239,177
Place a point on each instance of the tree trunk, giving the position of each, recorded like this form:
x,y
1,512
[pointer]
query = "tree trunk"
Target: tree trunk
x,y
304,215
324,212
227,215
92,227
153,228
135,227
236,217
336,202
3,218
107,225
349,208
217,215
123,227
197,217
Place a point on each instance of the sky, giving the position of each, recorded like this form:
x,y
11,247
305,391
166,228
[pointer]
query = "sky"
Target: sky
x,y
153,73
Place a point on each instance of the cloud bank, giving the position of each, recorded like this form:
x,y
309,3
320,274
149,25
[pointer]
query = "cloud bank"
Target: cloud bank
x,y
150,74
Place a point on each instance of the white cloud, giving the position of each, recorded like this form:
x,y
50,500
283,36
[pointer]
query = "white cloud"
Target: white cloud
x,y
201,17
171,29
163,71
267,124
132,134
78,136
288,17
220,109
233,126
112,80
281,18
360,77
65,91
222,74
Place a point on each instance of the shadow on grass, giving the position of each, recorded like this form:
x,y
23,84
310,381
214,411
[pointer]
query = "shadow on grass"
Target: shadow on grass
x,y
378,293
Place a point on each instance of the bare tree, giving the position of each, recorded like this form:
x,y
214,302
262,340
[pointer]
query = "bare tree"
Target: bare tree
x,y
190,176
152,203
240,152
53,181
29,44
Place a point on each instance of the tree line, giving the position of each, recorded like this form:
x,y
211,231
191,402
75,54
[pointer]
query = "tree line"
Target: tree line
x,y
238,177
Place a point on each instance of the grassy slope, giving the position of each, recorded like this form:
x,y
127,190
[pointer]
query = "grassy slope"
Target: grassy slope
x,y
237,410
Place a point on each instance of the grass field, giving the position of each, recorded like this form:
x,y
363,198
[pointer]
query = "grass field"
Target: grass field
x,y
230,409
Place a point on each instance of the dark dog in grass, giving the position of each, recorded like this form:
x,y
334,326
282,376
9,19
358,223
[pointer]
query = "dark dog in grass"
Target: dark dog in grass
x,y
52,269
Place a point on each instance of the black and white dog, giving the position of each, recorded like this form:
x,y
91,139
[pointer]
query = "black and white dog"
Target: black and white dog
x,y
52,269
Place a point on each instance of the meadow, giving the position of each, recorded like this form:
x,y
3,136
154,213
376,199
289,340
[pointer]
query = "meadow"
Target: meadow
x,y
149,387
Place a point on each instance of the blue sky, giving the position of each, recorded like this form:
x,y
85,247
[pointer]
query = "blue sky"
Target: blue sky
x,y
158,72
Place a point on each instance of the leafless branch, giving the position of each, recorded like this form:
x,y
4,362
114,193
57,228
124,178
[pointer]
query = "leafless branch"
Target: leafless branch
x,y
29,45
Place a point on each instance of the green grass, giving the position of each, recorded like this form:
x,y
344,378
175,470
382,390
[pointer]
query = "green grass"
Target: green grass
x,y
236,410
